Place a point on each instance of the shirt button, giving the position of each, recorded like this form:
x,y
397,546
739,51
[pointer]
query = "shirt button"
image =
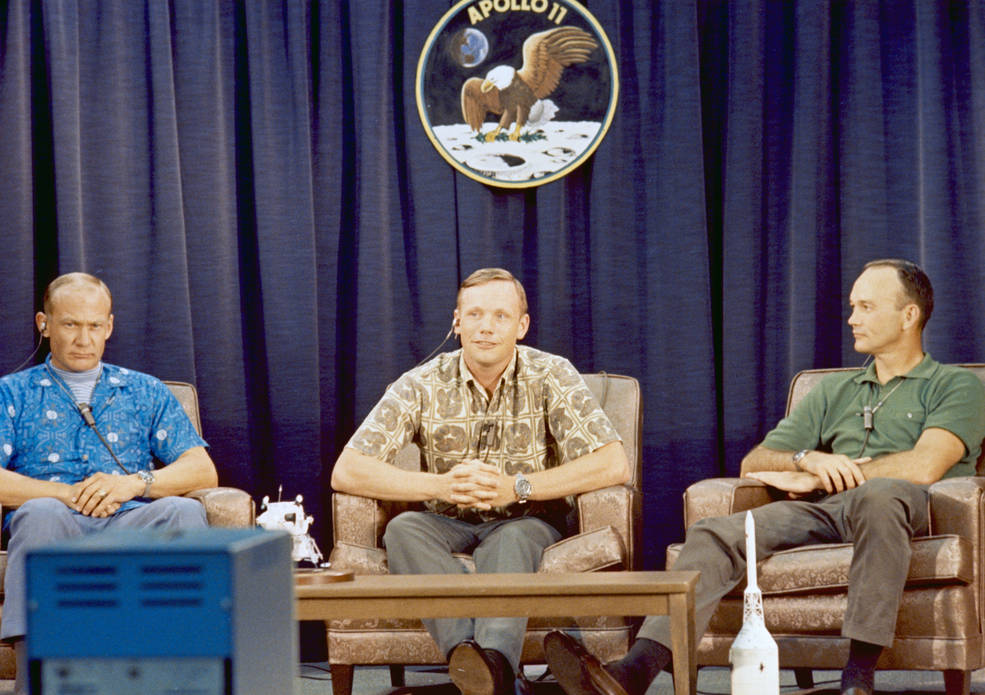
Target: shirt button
x,y
85,457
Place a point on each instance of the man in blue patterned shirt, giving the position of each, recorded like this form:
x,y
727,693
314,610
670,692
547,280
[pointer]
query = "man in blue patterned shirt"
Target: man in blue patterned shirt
x,y
79,440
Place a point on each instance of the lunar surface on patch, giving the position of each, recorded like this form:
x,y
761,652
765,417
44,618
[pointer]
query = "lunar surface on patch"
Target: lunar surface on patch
x,y
563,143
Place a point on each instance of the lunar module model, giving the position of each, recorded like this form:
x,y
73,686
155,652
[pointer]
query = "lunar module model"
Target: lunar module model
x,y
290,517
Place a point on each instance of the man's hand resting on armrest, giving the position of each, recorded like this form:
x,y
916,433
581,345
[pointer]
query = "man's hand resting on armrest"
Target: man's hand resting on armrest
x,y
827,472
801,475
794,482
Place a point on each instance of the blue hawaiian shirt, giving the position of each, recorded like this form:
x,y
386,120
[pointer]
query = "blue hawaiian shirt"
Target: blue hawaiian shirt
x,y
43,435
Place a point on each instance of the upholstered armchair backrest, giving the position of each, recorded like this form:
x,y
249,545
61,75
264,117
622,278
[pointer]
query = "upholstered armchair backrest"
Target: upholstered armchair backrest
x,y
806,380
188,397
622,401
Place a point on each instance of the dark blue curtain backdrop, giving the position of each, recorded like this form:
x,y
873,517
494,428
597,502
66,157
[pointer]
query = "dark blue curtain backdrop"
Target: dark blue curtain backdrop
x,y
253,182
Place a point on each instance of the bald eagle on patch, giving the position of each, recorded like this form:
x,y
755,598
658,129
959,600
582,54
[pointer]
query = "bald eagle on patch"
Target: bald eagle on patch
x,y
512,92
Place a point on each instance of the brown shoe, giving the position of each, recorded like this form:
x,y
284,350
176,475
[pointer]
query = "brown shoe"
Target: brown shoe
x,y
577,671
478,671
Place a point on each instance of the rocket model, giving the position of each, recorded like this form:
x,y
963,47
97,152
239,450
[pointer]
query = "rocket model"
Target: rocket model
x,y
755,665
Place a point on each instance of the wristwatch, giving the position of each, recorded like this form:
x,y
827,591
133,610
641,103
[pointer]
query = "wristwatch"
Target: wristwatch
x,y
798,457
148,479
522,488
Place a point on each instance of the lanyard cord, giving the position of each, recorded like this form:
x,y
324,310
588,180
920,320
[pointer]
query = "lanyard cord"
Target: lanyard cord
x,y
867,413
484,441
86,412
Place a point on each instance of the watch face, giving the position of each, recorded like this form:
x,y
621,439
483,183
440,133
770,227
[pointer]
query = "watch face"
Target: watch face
x,y
522,488
146,476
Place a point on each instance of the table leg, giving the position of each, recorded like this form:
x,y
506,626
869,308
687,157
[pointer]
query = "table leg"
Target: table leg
x,y
683,643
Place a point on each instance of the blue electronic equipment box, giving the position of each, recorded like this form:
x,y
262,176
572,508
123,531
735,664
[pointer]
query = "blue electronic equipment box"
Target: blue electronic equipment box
x,y
209,611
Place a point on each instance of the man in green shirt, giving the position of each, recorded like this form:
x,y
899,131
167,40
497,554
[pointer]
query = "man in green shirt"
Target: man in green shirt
x,y
869,444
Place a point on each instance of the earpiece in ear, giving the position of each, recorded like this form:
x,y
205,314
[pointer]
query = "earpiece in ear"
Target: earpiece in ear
x,y
44,325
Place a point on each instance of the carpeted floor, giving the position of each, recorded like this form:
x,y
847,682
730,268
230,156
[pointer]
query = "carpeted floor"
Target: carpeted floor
x,y
314,679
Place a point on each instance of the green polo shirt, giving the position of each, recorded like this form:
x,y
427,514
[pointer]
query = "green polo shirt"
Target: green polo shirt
x,y
829,417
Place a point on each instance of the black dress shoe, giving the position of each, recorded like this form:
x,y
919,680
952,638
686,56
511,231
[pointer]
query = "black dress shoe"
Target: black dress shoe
x,y
577,671
478,671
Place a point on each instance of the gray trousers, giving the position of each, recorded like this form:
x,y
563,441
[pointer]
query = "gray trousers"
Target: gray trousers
x,y
423,543
879,517
45,520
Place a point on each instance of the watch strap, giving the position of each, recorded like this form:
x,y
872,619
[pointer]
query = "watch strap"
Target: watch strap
x,y
148,479
798,457
522,488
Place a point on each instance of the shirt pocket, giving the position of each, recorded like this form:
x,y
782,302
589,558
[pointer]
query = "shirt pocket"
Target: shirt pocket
x,y
904,414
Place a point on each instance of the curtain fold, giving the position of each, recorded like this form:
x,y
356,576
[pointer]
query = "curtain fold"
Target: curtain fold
x,y
253,182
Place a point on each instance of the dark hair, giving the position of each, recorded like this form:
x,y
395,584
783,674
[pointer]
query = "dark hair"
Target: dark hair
x,y
73,279
484,275
916,285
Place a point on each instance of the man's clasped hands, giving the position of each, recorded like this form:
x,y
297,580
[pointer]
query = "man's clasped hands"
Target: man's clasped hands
x,y
478,485
100,495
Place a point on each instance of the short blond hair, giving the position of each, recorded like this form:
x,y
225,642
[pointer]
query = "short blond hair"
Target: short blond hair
x,y
69,279
486,275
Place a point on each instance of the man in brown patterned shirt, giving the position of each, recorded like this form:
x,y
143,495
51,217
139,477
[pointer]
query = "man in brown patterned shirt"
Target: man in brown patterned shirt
x,y
509,435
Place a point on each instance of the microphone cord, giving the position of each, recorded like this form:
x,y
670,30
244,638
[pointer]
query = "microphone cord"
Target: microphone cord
x,y
29,357
85,410
868,411
440,345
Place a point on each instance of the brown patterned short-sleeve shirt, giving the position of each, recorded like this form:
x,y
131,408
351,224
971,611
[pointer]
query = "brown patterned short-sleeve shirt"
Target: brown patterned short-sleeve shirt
x,y
541,415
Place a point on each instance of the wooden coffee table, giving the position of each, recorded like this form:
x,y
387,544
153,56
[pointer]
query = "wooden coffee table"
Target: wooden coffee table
x,y
502,595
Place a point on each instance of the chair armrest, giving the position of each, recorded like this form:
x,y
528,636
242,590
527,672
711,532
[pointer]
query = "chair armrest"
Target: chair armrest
x,y
601,549
357,520
360,559
362,520
724,496
226,506
613,507
957,506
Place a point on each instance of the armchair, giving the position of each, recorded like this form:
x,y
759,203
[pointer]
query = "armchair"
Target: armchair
x,y
224,506
609,525
940,622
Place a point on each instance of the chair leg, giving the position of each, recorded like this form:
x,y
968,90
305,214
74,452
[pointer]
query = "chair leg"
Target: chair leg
x,y
957,682
805,678
397,679
342,678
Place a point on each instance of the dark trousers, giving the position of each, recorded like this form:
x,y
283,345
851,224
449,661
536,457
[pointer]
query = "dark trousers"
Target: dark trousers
x,y
879,517
423,543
